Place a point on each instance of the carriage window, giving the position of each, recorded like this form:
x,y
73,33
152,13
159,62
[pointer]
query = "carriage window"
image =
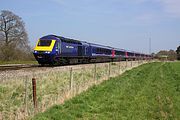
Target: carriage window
x,y
44,42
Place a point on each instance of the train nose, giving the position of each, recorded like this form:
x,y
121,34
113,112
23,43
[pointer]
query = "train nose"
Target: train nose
x,y
43,58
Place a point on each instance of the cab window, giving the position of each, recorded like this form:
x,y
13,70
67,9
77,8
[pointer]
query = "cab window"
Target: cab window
x,y
44,42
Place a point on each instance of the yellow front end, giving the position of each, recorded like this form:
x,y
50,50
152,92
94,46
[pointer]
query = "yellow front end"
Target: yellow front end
x,y
45,48
44,52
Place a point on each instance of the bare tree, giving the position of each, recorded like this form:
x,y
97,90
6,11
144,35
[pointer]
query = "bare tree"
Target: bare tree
x,y
12,34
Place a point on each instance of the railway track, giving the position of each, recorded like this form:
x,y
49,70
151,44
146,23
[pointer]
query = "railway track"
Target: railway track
x,y
11,67
16,66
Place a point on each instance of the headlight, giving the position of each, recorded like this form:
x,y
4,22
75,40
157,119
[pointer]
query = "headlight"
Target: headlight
x,y
35,51
47,52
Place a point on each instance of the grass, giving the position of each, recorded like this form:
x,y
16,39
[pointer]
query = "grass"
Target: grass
x,y
151,91
18,62
53,86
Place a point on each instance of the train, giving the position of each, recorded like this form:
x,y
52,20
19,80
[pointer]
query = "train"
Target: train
x,y
58,50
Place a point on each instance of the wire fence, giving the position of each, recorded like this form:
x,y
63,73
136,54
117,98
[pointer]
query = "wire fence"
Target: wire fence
x,y
53,87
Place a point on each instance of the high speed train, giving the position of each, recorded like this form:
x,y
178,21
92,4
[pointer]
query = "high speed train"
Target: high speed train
x,y
52,49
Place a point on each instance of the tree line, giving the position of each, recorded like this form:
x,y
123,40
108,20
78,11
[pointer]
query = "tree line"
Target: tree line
x,y
14,43
166,55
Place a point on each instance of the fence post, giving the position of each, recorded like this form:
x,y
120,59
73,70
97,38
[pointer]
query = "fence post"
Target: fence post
x,y
83,69
126,64
71,81
141,61
34,94
119,67
95,68
109,71
26,94
136,62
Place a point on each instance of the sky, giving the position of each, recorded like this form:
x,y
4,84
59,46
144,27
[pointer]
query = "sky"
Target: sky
x,y
125,24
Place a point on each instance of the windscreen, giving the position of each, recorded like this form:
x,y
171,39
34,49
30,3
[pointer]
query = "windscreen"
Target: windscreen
x,y
44,42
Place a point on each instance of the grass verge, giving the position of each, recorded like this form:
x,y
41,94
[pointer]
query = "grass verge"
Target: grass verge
x,y
151,91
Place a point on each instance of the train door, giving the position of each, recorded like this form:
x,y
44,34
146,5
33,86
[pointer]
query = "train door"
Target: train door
x,y
86,50
83,50
58,47
80,50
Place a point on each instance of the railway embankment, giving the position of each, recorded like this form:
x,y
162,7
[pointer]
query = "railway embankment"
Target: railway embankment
x,y
148,92
53,85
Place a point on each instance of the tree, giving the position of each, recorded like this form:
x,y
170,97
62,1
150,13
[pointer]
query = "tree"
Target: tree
x,y
169,55
172,55
178,53
13,35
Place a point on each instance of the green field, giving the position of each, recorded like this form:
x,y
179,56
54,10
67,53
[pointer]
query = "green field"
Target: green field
x,y
151,91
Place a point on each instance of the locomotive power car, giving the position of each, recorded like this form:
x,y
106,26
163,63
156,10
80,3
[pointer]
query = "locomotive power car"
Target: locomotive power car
x,y
52,49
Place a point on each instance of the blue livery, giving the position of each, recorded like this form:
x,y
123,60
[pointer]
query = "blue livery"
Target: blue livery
x,y
52,49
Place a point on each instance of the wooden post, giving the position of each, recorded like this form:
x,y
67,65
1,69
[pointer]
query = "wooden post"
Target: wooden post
x,y
137,62
26,94
119,67
71,81
34,94
95,68
83,69
126,63
109,72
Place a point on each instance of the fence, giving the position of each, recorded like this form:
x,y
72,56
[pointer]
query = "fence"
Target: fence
x,y
52,87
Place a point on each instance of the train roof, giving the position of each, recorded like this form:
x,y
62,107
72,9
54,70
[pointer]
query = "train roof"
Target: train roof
x,y
118,49
48,37
69,40
84,42
103,46
62,39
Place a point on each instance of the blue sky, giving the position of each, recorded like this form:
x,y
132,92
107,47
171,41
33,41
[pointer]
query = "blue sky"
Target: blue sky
x,y
124,24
